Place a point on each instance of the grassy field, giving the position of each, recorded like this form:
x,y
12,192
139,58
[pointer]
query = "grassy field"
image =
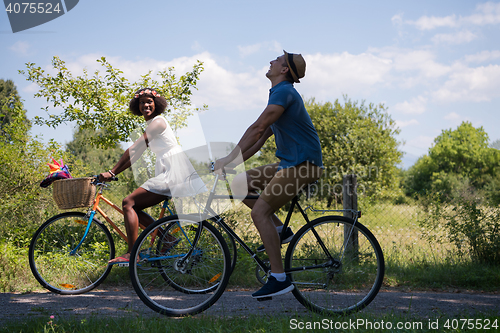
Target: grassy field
x,y
309,323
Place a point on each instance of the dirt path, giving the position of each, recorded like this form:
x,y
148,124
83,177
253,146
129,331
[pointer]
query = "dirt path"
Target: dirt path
x,y
124,302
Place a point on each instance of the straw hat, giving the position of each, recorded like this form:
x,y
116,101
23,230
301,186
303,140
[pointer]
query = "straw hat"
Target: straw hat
x,y
297,65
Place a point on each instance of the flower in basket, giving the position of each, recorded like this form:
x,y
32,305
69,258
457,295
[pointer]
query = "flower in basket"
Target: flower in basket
x,y
57,171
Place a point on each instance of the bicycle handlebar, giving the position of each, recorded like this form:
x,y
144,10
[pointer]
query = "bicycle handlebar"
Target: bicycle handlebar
x,y
97,183
224,170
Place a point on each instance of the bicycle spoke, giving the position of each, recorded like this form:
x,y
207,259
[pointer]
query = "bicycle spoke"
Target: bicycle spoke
x,y
59,271
346,282
184,278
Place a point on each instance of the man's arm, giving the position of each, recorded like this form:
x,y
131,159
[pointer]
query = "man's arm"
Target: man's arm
x,y
256,134
256,147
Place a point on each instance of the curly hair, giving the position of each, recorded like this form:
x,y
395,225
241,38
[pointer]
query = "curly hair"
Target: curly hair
x,y
160,101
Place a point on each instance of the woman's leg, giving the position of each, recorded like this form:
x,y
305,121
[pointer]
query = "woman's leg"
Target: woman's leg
x,y
132,206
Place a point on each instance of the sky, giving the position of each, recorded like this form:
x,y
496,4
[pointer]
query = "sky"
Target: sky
x,y
432,64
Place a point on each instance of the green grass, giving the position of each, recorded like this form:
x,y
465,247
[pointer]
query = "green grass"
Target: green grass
x,y
363,322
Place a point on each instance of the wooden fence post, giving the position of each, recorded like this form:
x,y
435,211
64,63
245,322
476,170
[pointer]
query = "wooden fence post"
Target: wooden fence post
x,y
350,201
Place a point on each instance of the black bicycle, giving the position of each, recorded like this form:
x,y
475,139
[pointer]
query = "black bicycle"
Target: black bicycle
x,y
334,262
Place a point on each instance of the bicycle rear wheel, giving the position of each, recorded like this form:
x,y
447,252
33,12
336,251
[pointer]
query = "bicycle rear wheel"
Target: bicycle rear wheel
x,y
345,282
175,282
56,268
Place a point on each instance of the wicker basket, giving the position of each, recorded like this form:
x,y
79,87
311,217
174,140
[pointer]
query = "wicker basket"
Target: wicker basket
x,y
73,193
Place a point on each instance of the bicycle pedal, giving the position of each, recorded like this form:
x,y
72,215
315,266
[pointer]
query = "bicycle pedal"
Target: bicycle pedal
x,y
262,299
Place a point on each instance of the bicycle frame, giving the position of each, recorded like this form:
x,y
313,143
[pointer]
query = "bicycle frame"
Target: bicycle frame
x,y
95,208
208,211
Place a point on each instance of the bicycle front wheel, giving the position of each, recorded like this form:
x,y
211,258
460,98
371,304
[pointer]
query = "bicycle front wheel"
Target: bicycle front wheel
x,y
185,278
59,270
231,243
337,268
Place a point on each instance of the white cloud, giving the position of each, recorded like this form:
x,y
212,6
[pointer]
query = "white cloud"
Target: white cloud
x,y
401,123
31,88
412,67
249,49
454,119
397,20
454,38
223,89
483,56
486,13
332,75
196,46
422,142
416,105
430,23
252,49
453,116
20,48
471,84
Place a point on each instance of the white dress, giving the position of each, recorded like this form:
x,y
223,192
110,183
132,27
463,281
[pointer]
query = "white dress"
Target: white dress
x,y
175,176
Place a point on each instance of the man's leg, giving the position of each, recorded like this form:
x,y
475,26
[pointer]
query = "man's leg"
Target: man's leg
x,y
285,184
287,233
277,283
250,203
262,214
254,180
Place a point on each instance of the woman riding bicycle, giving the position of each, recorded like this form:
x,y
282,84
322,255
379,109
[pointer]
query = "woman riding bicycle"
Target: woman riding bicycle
x,y
174,174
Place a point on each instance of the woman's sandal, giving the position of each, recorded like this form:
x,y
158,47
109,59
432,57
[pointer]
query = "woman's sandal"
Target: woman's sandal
x,y
124,262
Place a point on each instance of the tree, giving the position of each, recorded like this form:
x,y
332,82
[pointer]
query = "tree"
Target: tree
x,y
100,103
459,159
94,159
355,138
23,164
462,151
11,111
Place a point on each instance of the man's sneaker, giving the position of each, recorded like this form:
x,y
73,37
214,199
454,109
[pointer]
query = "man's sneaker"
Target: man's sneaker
x,y
286,239
274,287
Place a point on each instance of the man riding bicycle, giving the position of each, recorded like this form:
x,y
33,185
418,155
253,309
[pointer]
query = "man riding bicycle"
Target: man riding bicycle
x,y
299,152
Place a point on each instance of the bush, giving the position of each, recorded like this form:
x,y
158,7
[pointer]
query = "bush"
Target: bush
x,y
24,205
480,231
473,229
23,165
15,273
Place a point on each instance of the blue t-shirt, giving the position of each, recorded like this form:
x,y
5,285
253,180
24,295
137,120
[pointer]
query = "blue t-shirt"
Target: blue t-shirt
x,y
296,138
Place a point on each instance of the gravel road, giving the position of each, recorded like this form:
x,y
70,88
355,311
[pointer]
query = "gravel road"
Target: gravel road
x,y
124,302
